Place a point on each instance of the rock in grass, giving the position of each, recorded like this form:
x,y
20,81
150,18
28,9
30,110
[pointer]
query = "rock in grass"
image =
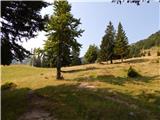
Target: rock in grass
x,y
132,72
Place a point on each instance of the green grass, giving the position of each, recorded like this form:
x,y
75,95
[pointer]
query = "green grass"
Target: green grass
x,y
70,103
13,103
114,96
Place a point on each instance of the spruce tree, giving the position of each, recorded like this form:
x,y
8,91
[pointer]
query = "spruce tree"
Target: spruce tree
x,y
75,60
107,45
121,42
19,19
62,31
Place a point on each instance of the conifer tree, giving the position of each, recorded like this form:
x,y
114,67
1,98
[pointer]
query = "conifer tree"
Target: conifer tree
x,y
62,31
121,42
19,19
107,45
75,60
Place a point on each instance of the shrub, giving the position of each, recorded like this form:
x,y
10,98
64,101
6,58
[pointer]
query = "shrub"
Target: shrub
x,y
8,85
132,72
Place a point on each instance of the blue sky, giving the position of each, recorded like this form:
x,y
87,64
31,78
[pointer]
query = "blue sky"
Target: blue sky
x,y
138,21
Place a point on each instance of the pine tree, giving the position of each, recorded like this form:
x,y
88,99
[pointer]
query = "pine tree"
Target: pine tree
x,y
121,42
62,31
19,19
107,45
75,60
91,54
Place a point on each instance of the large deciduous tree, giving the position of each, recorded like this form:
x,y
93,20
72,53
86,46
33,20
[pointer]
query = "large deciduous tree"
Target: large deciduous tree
x,y
107,45
19,19
121,42
62,31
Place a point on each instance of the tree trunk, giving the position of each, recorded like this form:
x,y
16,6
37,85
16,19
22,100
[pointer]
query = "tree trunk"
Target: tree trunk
x,y
58,69
111,60
122,58
59,61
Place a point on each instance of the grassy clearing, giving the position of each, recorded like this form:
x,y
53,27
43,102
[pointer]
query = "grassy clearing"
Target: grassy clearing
x,y
89,92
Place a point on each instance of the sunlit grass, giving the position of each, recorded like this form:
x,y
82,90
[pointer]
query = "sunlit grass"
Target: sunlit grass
x,y
68,101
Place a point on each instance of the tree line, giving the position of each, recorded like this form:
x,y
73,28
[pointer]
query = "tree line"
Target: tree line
x,y
113,45
22,19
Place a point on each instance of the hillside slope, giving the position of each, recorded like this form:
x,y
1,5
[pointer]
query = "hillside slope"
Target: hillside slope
x,y
153,41
88,92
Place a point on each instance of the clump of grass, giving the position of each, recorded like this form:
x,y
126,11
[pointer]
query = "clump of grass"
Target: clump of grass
x,y
132,72
8,85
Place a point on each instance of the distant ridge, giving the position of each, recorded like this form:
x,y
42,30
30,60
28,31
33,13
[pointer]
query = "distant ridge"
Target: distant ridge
x,y
152,41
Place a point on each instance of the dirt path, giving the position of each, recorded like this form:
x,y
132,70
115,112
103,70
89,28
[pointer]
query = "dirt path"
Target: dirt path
x,y
35,109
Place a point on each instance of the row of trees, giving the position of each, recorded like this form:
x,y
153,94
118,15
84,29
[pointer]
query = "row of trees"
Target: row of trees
x,y
61,47
114,45
40,58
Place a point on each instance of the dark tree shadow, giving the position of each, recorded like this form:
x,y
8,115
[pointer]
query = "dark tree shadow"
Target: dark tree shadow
x,y
104,78
80,70
72,102
14,102
132,61
116,80
136,60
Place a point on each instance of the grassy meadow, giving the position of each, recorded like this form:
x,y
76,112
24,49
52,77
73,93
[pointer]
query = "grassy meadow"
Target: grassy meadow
x,y
88,92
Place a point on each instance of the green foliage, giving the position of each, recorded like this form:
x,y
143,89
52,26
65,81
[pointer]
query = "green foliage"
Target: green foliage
x,y
137,2
8,85
121,42
152,41
19,19
62,29
75,60
107,45
132,72
13,103
134,51
91,54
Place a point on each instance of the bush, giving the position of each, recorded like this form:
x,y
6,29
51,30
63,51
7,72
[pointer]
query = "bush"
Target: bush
x,y
132,72
8,85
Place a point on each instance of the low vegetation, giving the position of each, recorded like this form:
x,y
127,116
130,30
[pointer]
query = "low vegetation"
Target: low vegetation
x,y
132,72
88,92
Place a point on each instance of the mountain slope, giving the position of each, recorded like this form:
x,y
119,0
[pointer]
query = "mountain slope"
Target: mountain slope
x,y
137,48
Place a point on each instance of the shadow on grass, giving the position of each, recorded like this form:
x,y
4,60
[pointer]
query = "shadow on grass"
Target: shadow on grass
x,y
69,102
13,103
104,78
79,70
142,60
116,80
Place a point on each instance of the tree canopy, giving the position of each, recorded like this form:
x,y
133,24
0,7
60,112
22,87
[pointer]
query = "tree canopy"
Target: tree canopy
x,y
63,29
91,54
20,20
107,45
121,42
